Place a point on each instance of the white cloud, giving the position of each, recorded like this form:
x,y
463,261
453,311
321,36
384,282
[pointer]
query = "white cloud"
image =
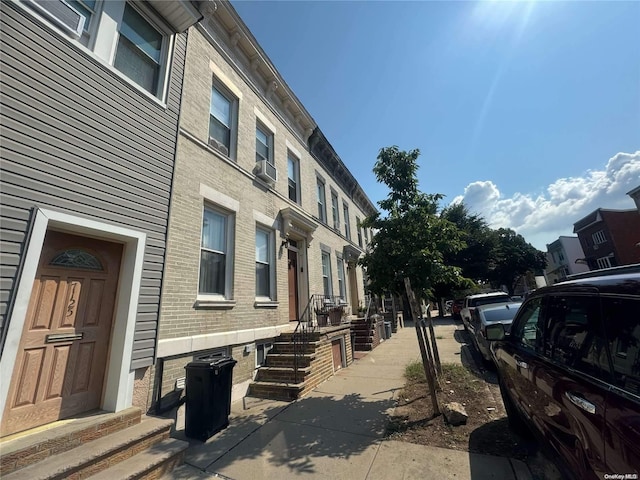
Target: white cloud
x,y
541,219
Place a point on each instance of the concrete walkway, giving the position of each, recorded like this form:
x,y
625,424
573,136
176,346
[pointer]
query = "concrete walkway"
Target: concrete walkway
x,y
337,431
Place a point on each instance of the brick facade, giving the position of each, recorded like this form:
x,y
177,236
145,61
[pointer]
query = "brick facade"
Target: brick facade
x,y
204,176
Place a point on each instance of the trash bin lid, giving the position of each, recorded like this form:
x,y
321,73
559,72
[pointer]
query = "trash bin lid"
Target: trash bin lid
x,y
211,362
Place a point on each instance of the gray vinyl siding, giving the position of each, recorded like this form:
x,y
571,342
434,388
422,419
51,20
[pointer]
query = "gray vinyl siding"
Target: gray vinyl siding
x,y
77,138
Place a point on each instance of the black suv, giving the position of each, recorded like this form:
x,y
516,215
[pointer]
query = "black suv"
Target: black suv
x,y
570,371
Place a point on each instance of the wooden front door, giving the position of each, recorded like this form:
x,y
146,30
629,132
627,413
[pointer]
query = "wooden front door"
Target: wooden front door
x,y
293,285
62,356
336,350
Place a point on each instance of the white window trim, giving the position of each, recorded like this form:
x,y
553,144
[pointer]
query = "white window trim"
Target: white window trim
x,y
320,181
347,221
234,100
264,345
272,225
103,42
271,300
213,299
322,257
604,262
291,154
335,218
599,237
222,203
270,141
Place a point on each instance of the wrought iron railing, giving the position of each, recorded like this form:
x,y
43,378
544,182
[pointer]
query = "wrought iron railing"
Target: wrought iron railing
x,y
321,311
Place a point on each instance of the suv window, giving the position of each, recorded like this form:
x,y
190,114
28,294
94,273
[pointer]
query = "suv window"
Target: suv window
x,y
476,302
574,335
622,318
528,330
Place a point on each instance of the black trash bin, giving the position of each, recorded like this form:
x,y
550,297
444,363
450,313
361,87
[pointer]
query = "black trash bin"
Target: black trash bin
x,y
208,396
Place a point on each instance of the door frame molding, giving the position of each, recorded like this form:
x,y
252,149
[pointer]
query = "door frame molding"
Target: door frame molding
x,y
119,378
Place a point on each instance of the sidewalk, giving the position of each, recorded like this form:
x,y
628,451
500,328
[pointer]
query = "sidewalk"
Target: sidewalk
x,y
337,431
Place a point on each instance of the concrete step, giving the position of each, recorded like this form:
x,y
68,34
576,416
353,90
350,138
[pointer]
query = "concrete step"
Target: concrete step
x,y
24,449
152,463
286,347
288,359
282,374
289,337
276,391
94,456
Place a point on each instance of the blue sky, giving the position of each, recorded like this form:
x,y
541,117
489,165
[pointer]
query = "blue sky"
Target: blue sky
x,y
527,111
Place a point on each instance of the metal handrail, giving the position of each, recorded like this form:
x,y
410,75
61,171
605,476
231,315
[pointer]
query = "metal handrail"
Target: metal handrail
x,y
321,311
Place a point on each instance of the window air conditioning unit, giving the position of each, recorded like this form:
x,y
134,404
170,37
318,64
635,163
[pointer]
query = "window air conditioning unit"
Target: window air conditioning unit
x,y
218,146
61,13
266,171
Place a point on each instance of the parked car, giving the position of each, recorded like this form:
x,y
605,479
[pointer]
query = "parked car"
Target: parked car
x,y
472,301
456,308
485,315
569,370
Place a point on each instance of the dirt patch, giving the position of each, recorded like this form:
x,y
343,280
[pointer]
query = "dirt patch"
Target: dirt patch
x,y
486,431
413,419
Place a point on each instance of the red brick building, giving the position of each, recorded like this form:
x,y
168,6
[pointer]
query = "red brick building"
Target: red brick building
x,y
609,238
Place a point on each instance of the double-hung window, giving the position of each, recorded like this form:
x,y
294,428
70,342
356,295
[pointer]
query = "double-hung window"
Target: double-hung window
x,y
264,144
293,174
341,285
326,274
335,210
347,223
322,201
129,36
604,262
221,119
139,53
359,232
264,263
599,237
215,262
366,237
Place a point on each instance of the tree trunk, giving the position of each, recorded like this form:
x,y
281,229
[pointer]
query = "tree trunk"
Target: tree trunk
x,y
427,365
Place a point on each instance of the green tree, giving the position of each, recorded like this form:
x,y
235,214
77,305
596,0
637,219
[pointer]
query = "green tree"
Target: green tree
x,y
476,258
514,257
410,239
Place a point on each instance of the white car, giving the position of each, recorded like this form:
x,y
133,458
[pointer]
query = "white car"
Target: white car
x,y
472,301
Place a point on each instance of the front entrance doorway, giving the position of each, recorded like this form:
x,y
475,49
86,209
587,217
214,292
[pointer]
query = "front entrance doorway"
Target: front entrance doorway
x,y
293,285
62,356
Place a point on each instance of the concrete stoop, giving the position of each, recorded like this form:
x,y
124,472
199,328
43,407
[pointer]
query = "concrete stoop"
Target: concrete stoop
x,y
365,335
278,379
124,445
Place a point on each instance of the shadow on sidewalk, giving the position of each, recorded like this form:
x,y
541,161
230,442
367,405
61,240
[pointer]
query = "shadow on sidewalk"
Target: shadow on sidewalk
x,y
294,436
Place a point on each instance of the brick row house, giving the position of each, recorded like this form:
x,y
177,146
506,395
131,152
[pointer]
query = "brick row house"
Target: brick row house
x,y
165,196
609,238
264,218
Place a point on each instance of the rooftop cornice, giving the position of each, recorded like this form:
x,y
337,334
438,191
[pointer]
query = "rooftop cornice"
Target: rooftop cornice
x,y
325,154
256,65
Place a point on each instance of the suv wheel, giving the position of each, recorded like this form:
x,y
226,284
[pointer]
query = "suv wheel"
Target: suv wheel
x,y
516,423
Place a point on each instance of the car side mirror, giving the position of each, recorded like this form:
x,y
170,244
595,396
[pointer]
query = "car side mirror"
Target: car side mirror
x,y
495,332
